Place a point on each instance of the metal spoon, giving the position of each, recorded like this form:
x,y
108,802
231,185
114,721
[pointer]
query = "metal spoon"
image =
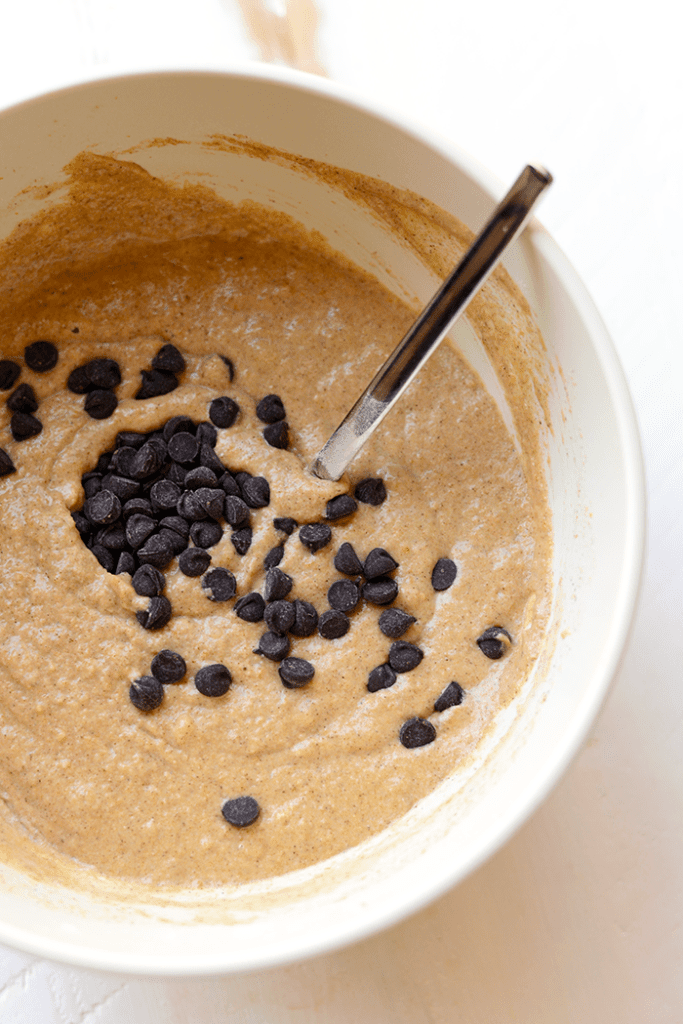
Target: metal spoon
x,y
432,325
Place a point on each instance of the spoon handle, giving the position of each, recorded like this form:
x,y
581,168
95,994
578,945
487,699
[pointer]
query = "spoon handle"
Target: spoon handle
x,y
433,323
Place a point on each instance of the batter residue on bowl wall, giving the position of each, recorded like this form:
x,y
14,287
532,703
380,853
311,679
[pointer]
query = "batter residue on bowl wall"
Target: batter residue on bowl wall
x,y
129,263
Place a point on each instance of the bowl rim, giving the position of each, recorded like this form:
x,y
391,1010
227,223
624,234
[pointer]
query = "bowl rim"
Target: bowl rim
x,y
377,917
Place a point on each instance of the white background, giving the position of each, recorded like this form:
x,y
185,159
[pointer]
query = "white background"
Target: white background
x,y
578,920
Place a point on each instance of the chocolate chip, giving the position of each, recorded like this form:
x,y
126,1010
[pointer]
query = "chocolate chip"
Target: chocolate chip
x,y
78,381
121,486
23,426
105,557
175,425
315,536
305,619
270,409
443,574
494,642
212,500
178,525
146,693
381,678
278,585
208,458
394,622
103,508
138,528
147,461
223,412
176,473
417,732
191,507
404,656
168,667
6,464
241,540
347,561
23,399
213,680
148,581
279,616
123,460
277,435
126,563
255,492
450,698
221,585
241,811
207,434
340,507
112,537
194,561
295,672
183,447
168,358
41,356
202,476
177,541
92,484
9,374
344,595
157,551
100,405
285,524
164,495
273,646
333,624
274,557
250,608
382,590
235,510
103,373
155,383
158,614
228,483
206,534
136,506
371,491
378,563
83,525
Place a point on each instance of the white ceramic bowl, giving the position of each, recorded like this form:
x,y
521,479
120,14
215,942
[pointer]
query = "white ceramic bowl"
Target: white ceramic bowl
x,y
594,480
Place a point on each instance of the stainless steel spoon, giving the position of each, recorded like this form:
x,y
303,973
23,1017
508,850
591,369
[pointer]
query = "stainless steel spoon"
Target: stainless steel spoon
x,y
432,325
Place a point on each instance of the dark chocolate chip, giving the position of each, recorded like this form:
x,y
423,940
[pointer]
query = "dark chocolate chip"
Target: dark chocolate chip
x,y
104,462
305,619
164,495
136,506
450,698
123,461
121,486
344,595
255,491
213,680
274,557
223,412
279,616
206,534
371,491
315,536
202,476
241,540
92,484
129,439
170,359
148,581
191,507
112,537
340,507
229,485
285,524
381,678
138,527
83,525
103,508
378,563
250,608
347,561
9,374
6,464
105,557
404,656
23,426
394,622
168,667
100,405
183,447
177,473
273,646
235,511
207,434
157,550
494,642
230,367
178,525
278,585
41,356
23,399
277,435
212,500
79,382
126,563
333,624
241,811
417,732
295,672
146,462
146,693
175,425
382,590
220,584
444,573
155,383
158,614
194,561
270,409
103,373
208,458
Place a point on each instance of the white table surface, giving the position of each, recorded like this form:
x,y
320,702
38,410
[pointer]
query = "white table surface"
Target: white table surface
x,y
578,920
